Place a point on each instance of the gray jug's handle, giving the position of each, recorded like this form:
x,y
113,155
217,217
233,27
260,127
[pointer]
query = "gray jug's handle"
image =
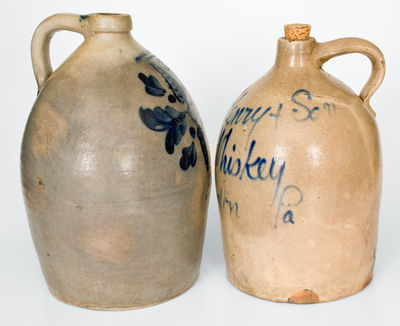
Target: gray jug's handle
x,y
325,51
41,41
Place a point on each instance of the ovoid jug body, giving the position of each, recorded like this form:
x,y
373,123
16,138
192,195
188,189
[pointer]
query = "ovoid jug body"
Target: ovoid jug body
x,y
115,170
298,175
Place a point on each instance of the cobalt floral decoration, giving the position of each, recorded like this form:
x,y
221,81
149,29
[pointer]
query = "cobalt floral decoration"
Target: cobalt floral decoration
x,y
169,119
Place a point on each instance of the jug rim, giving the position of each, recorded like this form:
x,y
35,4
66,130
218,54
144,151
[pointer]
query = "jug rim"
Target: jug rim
x,y
108,22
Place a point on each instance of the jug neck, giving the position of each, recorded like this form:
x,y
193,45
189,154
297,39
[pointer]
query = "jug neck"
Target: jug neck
x,y
294,54
106,23
108,28
114,37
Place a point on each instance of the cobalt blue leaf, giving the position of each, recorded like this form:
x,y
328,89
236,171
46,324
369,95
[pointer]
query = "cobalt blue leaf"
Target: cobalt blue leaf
x,y
194,155
152,85
162,115
149,118
203,145
182,128
169,141
189,157
175,114
177,134
192,132
174,136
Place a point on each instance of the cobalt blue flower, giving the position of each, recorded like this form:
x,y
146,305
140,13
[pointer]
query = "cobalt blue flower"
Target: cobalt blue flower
x,y
168,119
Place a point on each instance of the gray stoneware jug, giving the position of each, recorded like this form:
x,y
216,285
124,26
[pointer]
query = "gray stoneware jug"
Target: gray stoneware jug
x,y
115,170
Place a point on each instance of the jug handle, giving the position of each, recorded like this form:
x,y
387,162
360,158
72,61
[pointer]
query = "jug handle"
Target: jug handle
x,y
41,41
327,50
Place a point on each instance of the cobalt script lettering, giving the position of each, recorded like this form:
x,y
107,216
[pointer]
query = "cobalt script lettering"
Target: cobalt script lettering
x,y
251,166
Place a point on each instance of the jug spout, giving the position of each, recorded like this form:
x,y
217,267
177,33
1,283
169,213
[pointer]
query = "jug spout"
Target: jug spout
x,y
295,49
108,23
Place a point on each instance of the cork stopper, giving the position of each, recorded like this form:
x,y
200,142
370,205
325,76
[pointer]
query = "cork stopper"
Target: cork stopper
x,y
297,32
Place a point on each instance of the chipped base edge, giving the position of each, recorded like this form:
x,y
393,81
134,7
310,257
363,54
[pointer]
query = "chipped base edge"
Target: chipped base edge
x,y
280,300
119,308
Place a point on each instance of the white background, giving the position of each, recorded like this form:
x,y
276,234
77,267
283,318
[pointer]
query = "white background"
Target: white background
x,y
217,48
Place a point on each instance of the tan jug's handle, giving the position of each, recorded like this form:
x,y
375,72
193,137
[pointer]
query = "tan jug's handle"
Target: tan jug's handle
x,y
325,51
41,41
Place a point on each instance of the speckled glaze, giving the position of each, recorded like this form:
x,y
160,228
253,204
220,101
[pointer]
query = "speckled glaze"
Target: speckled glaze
x,y
114,168
298,175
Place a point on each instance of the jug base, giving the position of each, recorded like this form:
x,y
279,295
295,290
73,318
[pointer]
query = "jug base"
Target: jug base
x,y
306,297
92,306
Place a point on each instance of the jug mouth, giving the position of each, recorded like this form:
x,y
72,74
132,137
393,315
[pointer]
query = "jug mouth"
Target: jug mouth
x,y
108,22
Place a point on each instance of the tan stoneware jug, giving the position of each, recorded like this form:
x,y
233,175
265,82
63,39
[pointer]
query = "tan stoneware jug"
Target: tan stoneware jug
x,y
115,170
298,174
